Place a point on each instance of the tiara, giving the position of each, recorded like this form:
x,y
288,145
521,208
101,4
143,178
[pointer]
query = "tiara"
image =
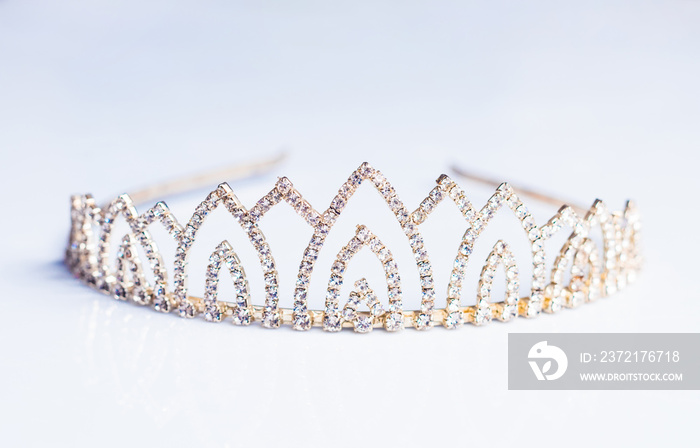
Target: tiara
x,y
593,271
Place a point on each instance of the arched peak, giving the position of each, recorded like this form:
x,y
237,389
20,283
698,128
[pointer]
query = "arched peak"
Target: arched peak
x,y
129,281
334,317
610,223
565,216
445,188
484,310
598,213
302,318
224,195
366,172
583,287
284,191
504,195
215,311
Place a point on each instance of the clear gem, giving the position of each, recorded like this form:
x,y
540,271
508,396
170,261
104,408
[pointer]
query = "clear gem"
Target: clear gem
x,y
394,294
394,280
140,295
186,309
349,314
509,312
161,303
533,308
301,322
377,309
119,292
394,322
482,315
213,314
454,320
423,322
363,324
331,322
363,234
271,319
555,304
241,316
577,298
424,269
338,267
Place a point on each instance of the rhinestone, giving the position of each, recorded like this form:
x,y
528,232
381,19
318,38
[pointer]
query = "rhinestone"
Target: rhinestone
x,y
454,320
331,322
394,322
509,312
241,316
465,250
423,322
391,266
119,292
482,315
363,324
162,304
424,269
186,310
377,309
332,295
213,314
140,295
271,319
533,308
363,234
394,294
301,322
349,314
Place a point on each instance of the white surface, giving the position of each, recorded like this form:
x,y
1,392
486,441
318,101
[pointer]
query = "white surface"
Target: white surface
x,y
601,100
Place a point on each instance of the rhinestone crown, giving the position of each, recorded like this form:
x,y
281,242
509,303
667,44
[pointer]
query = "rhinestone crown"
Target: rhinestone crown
x,y
595,271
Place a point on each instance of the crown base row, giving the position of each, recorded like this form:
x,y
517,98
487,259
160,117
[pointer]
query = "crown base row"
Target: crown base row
x,y
440,316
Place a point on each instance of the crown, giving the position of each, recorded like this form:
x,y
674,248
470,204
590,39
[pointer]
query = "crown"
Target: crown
x,y
594,271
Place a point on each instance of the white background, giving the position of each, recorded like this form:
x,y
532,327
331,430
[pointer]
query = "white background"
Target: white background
x,y
600,100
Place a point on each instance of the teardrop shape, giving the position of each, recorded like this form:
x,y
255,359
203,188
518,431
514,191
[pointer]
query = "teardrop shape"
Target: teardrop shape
x,y
583,286
363,322
124,206
333,319
484,309
501,255
213,309
129,279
